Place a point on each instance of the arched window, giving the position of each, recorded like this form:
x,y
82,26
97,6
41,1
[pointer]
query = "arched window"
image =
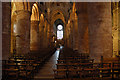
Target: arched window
x,y
59,32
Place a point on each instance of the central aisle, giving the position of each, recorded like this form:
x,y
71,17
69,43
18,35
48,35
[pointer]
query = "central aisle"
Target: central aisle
x,y
46,72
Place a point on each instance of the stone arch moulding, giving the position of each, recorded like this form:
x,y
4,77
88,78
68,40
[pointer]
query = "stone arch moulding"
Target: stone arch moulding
x,y
56,16
35,12
27,6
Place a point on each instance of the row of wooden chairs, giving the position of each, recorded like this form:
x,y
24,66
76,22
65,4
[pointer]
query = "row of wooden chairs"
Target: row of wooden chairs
x,y
102,70
70,64
20,67
68,54
75,60
81,66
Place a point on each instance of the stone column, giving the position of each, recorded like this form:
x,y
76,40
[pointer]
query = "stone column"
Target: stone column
x,y
40,35
34,35
71,35
48,36
100,30
115,31
75,34
82,27
66,36
45,43
6,29
45,37
119,31
23,32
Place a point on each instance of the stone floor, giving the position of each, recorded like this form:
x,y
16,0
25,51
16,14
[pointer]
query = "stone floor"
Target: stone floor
x,y
46,72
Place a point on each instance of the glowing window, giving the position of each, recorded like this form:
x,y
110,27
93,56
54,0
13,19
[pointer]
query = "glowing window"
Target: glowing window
x,y
60,27
14,28
59,32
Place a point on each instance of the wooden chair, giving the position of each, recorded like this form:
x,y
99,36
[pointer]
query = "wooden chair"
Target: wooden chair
x,y
60,73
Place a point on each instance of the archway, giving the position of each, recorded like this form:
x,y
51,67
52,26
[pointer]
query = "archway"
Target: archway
x,y
59,31
34,30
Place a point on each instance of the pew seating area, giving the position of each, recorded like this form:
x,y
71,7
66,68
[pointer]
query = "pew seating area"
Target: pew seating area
x,y
72,65
24,67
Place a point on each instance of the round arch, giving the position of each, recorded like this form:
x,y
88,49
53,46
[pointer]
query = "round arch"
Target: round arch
x,y
57,31
35,12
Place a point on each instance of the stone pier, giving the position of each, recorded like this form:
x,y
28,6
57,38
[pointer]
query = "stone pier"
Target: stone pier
x,y
34,35
23,32
82,27
100,30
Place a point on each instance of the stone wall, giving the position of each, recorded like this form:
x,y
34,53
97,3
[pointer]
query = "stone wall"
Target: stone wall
x,y
6,30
